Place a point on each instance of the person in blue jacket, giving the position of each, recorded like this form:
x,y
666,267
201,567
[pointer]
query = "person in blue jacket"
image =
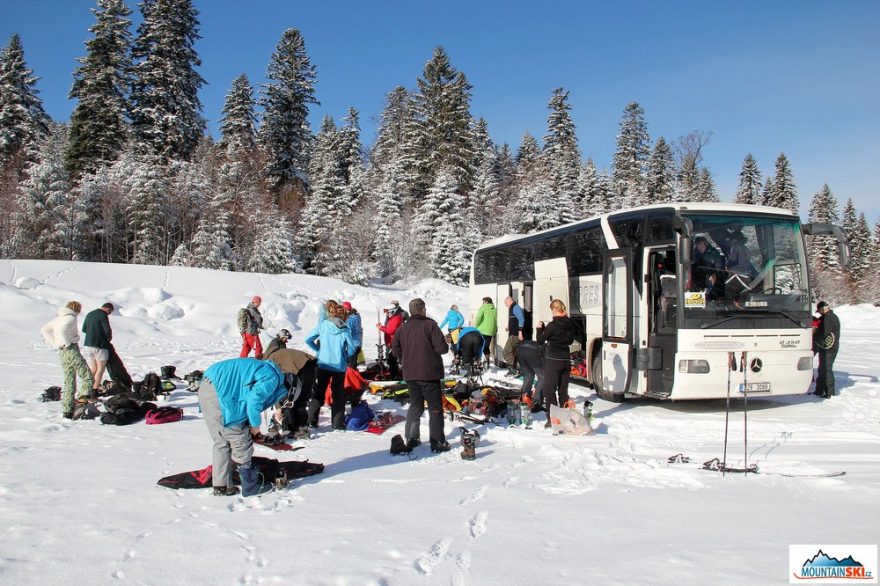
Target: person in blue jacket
x,y
233,394
455,320
334,346
353,321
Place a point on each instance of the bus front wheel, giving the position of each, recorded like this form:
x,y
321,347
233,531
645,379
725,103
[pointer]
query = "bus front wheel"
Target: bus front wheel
x,y
597,382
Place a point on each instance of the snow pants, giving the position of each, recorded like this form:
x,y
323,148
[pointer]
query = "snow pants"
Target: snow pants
x,y
531,362
231,444
337,390
825,375
487,346
421,392
556,374
249,341
73,365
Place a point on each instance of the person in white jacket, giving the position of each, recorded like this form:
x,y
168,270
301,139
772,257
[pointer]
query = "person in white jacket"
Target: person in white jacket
x,y
62,334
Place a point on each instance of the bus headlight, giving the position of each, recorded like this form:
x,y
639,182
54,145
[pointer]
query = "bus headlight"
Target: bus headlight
x,y
693,366
805,363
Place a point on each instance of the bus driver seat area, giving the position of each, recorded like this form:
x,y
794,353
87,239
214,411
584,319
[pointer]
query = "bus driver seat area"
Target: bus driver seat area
x,y
665,287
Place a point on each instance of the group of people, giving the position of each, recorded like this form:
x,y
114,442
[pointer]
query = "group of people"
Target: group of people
x,y
724,274
87,364
234,393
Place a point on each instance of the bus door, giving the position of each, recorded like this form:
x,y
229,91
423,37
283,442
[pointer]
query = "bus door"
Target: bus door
x,y
657,359
617,323
551,282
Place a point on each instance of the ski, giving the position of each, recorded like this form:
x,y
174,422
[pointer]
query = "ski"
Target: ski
x,y
715,465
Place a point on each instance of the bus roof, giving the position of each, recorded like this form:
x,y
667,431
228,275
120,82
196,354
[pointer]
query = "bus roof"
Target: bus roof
x,y
679,206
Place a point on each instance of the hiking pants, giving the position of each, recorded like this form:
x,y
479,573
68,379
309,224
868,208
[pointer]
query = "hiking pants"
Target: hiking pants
x,y
393,364
556,374
825,374
73,365
249,341
231,443
509,353
421,392
337,391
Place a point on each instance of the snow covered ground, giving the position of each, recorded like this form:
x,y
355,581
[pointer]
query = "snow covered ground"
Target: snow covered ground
x,y
79,501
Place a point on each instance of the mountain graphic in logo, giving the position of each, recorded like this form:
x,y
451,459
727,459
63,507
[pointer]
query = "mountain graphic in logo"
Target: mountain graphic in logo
x,y
821,559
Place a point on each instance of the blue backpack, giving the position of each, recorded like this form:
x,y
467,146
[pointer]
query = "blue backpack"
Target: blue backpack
x,y
360,417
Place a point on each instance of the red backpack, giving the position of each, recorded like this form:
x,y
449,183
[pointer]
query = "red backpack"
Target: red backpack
x,y
164,415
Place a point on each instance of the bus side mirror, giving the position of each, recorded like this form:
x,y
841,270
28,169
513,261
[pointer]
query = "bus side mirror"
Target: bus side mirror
x,y
685,250
817,229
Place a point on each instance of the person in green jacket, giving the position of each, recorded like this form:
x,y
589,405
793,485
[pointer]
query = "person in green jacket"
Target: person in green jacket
x,y
487,322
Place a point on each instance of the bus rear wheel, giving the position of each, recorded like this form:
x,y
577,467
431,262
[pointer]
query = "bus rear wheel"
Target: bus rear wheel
x,y
597,382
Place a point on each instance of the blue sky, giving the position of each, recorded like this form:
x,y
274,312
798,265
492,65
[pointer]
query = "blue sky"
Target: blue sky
x,y
793,76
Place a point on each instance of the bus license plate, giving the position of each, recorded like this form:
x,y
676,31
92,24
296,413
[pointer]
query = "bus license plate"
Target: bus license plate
x,y
756,387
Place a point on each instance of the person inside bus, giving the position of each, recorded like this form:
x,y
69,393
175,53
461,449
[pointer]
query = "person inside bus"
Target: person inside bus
x,y
668,289
738,266
708,265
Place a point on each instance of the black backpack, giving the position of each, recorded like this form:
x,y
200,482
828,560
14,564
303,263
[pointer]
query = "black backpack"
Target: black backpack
x,y
149,388
124,409
51,394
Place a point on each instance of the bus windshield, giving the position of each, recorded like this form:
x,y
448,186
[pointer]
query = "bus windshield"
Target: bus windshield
x,y
745,266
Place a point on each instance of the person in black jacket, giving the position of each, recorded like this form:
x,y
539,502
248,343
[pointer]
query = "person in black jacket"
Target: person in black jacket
x,y
96,346
419,345
558,336
827,343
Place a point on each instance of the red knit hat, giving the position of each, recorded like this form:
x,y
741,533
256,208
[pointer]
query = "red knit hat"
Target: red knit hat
x,y
346,305
257,299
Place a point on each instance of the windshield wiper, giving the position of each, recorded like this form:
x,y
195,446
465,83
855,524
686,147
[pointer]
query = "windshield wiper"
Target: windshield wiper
x,y
749,312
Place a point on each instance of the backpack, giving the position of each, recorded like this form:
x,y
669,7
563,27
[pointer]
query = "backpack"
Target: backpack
x,y
109,388
243,320
124,409
164,415
360,417
149,388
86,411
51,394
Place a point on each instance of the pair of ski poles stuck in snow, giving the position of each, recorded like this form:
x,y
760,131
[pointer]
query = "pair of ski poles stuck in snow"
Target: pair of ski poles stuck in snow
x,y
731,367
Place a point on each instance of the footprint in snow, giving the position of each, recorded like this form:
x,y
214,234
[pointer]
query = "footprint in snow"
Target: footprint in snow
x,y
478,524
478,494
426,563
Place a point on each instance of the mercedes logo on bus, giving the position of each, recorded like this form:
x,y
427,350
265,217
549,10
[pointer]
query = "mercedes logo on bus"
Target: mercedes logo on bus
x,y
756,365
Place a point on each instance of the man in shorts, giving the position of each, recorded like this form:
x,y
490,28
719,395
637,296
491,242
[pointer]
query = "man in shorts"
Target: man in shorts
x,y
96,346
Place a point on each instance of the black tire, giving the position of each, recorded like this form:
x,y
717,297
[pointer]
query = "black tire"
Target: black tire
x,y
597,382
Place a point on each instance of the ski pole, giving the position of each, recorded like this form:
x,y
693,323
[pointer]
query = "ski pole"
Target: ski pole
x,y
744,365
731,365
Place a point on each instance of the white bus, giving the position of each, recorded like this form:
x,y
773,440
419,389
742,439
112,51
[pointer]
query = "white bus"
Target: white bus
x,y
656,318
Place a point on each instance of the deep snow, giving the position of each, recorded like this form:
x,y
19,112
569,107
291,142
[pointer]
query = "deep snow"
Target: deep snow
x,y
79,501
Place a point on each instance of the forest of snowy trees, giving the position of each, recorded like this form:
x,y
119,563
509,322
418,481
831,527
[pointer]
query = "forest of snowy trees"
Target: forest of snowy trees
x,y
133,177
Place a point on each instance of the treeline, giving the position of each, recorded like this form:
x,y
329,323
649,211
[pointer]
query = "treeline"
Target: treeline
x,y
133,177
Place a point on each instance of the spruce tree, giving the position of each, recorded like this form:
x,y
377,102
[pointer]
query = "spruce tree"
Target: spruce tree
x,y
749,190
165,107
388,222
350,153
238,124
823,249
145,210
783,194
484,203
561,153
273,250
860,252
444,125
286,98
767,192
46,226
23,122
450,249
325,204
631,156
705,188
660,185
98,126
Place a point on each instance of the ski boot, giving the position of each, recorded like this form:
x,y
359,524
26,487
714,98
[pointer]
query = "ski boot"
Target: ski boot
x,y
469,441
398,446
280,479
225,490
438,447
252,481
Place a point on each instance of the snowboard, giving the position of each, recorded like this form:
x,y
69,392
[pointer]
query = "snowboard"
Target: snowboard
x,y
381,424
268,467
281,446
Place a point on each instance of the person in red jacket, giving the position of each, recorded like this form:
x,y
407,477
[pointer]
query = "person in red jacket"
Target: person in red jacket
x,y
393,320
